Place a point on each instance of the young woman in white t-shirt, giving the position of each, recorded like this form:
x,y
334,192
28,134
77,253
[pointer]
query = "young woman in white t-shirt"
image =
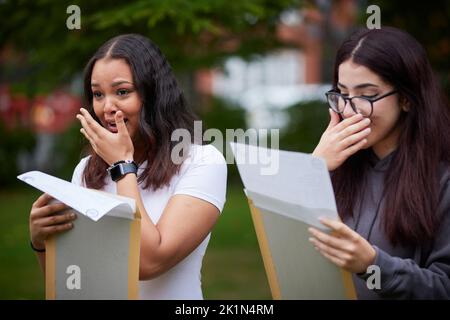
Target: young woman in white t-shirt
x,y
133,106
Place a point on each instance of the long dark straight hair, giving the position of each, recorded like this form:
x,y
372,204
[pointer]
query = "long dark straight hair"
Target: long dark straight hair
x,y
411,184
164,109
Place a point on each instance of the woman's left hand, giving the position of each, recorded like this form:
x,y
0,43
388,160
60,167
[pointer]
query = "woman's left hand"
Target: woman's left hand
x,y
344,247
111,147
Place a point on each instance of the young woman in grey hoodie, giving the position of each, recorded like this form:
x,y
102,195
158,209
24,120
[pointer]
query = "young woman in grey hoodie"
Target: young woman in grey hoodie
x,y
387,147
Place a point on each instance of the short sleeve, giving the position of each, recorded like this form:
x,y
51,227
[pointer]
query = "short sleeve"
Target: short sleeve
x,y
77,177
204,176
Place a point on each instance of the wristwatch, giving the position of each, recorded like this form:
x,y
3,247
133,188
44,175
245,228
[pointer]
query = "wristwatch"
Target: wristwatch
x,y
121,168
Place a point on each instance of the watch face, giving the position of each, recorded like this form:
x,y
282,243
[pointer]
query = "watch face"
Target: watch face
x,y
121,169
115,172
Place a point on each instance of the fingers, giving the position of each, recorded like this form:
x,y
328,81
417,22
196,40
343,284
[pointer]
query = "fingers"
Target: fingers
x,y
47,210
93,129
348,122
337,261
330,251
55,229
93,125
88,129
87,136
334,119
355,138
337,226
343,139
327,239
354,148
56,219
340,228
42,200
120,123
43,226
354,128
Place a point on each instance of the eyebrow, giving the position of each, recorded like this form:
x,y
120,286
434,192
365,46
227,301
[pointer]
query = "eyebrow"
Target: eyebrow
x,y
114,84
359,86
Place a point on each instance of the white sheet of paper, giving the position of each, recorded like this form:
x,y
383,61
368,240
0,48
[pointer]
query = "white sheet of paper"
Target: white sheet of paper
x,y
91,203
299,185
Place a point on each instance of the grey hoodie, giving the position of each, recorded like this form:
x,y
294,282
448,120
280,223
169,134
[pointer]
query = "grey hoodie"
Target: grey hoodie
x,y
419,272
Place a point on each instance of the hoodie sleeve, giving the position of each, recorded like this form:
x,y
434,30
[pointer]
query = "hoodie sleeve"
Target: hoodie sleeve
x,y
405,279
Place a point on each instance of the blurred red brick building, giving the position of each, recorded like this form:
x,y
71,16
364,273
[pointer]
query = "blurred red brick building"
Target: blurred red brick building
x,y
308,29
52,113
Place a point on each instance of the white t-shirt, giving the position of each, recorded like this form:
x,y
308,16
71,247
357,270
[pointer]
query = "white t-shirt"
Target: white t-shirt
x,y
202,175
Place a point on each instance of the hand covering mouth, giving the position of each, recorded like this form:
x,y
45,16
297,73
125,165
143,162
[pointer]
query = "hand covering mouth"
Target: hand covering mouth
x,y
111,125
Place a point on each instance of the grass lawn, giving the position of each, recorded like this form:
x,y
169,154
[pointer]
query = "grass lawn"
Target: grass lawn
x,y
232,267
20,276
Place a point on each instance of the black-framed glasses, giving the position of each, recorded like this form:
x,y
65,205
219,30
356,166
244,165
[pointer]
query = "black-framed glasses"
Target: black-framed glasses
x,y
359,104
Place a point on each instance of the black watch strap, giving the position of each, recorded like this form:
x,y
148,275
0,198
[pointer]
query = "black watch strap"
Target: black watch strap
x,y
121,168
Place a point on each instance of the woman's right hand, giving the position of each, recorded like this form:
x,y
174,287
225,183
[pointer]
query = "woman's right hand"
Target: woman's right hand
x,y
342,139
44,221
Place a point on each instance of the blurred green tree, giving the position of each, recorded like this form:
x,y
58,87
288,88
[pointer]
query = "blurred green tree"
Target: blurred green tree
x,y
429,23
12,144
307,121
222,115
190,33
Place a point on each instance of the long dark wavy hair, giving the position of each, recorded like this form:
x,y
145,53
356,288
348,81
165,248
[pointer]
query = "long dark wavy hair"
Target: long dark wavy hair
x,y
164,109
411,184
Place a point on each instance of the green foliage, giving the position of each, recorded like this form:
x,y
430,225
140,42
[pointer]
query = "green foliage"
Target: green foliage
x,y
307,121
12,143
20,275
222,115
190,33
429,23
69,146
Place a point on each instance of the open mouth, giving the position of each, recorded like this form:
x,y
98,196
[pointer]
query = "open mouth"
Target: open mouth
x,y
111,126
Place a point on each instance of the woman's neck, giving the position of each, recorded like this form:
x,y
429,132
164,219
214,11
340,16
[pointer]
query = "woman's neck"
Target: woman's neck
x,y
387,145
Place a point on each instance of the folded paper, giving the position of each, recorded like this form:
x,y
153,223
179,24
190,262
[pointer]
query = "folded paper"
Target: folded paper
x,y
283,205
99,257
